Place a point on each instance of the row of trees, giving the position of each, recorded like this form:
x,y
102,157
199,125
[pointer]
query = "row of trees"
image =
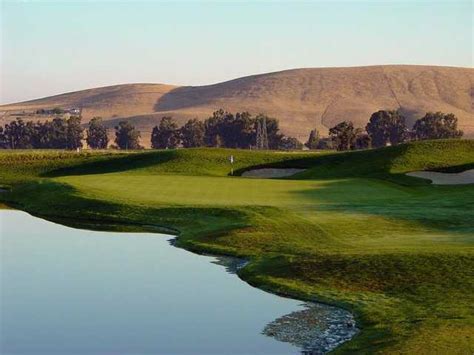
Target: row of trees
x,y
387,128
58,134
224,129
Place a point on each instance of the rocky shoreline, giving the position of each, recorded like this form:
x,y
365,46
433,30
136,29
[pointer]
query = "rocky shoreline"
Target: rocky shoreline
x,y
317,329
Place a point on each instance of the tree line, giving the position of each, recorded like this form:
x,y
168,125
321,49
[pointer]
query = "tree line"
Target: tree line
x,y
222,129
225,129
384,128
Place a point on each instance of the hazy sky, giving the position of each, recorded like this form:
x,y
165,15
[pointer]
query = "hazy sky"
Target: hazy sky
x,y
58,46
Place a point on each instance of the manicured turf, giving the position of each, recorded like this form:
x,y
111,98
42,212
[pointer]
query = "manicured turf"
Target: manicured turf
x,y
352,230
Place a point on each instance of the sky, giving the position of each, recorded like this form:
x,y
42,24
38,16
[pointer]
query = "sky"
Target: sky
x,y
51,47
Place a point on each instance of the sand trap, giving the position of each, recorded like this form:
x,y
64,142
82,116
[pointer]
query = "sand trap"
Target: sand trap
x,y
271,173
466,177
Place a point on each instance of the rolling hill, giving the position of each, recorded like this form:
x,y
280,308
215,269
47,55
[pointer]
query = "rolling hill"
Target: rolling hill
x,y
301,99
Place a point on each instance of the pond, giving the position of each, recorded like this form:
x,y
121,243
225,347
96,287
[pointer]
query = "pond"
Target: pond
x,y
71,291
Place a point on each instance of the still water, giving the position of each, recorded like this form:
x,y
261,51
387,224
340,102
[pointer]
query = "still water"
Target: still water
x,y
71,291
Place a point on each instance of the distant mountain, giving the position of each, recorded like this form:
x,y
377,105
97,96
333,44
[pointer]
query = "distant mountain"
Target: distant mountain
x,y
302,99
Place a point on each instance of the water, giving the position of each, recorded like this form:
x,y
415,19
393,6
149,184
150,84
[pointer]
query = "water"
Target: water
x,y
70,291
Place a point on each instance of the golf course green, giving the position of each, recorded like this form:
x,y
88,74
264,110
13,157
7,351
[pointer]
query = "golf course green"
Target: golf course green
x,y
351,230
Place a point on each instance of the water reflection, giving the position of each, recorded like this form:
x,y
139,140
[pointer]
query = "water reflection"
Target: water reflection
x,y
70,291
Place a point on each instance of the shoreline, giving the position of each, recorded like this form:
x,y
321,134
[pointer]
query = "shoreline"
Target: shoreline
x,y
314,341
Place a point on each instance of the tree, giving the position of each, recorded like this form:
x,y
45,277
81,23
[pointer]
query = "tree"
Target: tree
x,y
3,139
212,128
56,134
362,141
97,134
233,131
126,136
192,133
18,134
290,143
244,126
386,126
75,133
343,135
325,143
166,135
274,137
313,139
437,126
40,136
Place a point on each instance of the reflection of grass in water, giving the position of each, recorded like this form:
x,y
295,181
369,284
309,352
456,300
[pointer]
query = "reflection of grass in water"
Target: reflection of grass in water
x,y
357,233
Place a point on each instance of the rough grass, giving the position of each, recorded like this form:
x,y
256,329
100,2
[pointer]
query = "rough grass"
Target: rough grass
x,y
398,252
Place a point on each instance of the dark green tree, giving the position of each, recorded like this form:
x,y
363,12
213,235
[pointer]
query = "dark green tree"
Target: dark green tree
x,y
437,125
212,127
387,127
57,134
290,143
343,135
97,134
313,139
232,131
325,143
244,130
40,139
18,134
192,134
166,135
75,133
126,136
362,141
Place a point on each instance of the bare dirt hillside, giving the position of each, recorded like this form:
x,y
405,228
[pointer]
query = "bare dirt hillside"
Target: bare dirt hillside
x,y
301,99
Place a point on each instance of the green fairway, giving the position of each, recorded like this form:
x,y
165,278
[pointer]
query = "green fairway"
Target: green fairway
x,y
352,230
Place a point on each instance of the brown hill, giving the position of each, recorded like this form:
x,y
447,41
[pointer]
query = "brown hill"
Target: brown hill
x,y
301,99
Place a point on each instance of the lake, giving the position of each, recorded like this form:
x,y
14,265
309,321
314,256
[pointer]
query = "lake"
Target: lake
x,y
71,291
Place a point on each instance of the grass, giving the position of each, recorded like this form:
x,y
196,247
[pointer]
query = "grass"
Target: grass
x,y
352,230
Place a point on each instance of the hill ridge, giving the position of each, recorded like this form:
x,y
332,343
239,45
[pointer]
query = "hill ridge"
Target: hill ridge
x,y
301,98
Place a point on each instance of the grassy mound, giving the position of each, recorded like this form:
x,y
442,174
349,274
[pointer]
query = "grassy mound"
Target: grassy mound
x,y
393,162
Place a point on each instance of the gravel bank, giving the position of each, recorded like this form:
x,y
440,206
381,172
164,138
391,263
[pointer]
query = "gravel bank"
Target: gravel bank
x,y
316,330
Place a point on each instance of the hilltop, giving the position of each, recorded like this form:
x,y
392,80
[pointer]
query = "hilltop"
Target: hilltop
x,y
300,98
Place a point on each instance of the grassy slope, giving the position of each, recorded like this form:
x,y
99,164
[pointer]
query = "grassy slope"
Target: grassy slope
x,y
351,230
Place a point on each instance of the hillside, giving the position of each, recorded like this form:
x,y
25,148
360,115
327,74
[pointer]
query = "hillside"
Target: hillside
x,y
301,98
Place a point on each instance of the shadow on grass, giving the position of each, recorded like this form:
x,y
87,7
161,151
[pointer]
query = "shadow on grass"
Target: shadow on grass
x,y
116,164
443,208
60,203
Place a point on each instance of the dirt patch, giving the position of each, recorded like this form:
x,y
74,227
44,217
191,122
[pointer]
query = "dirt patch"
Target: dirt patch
x,y
271,173
466,177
